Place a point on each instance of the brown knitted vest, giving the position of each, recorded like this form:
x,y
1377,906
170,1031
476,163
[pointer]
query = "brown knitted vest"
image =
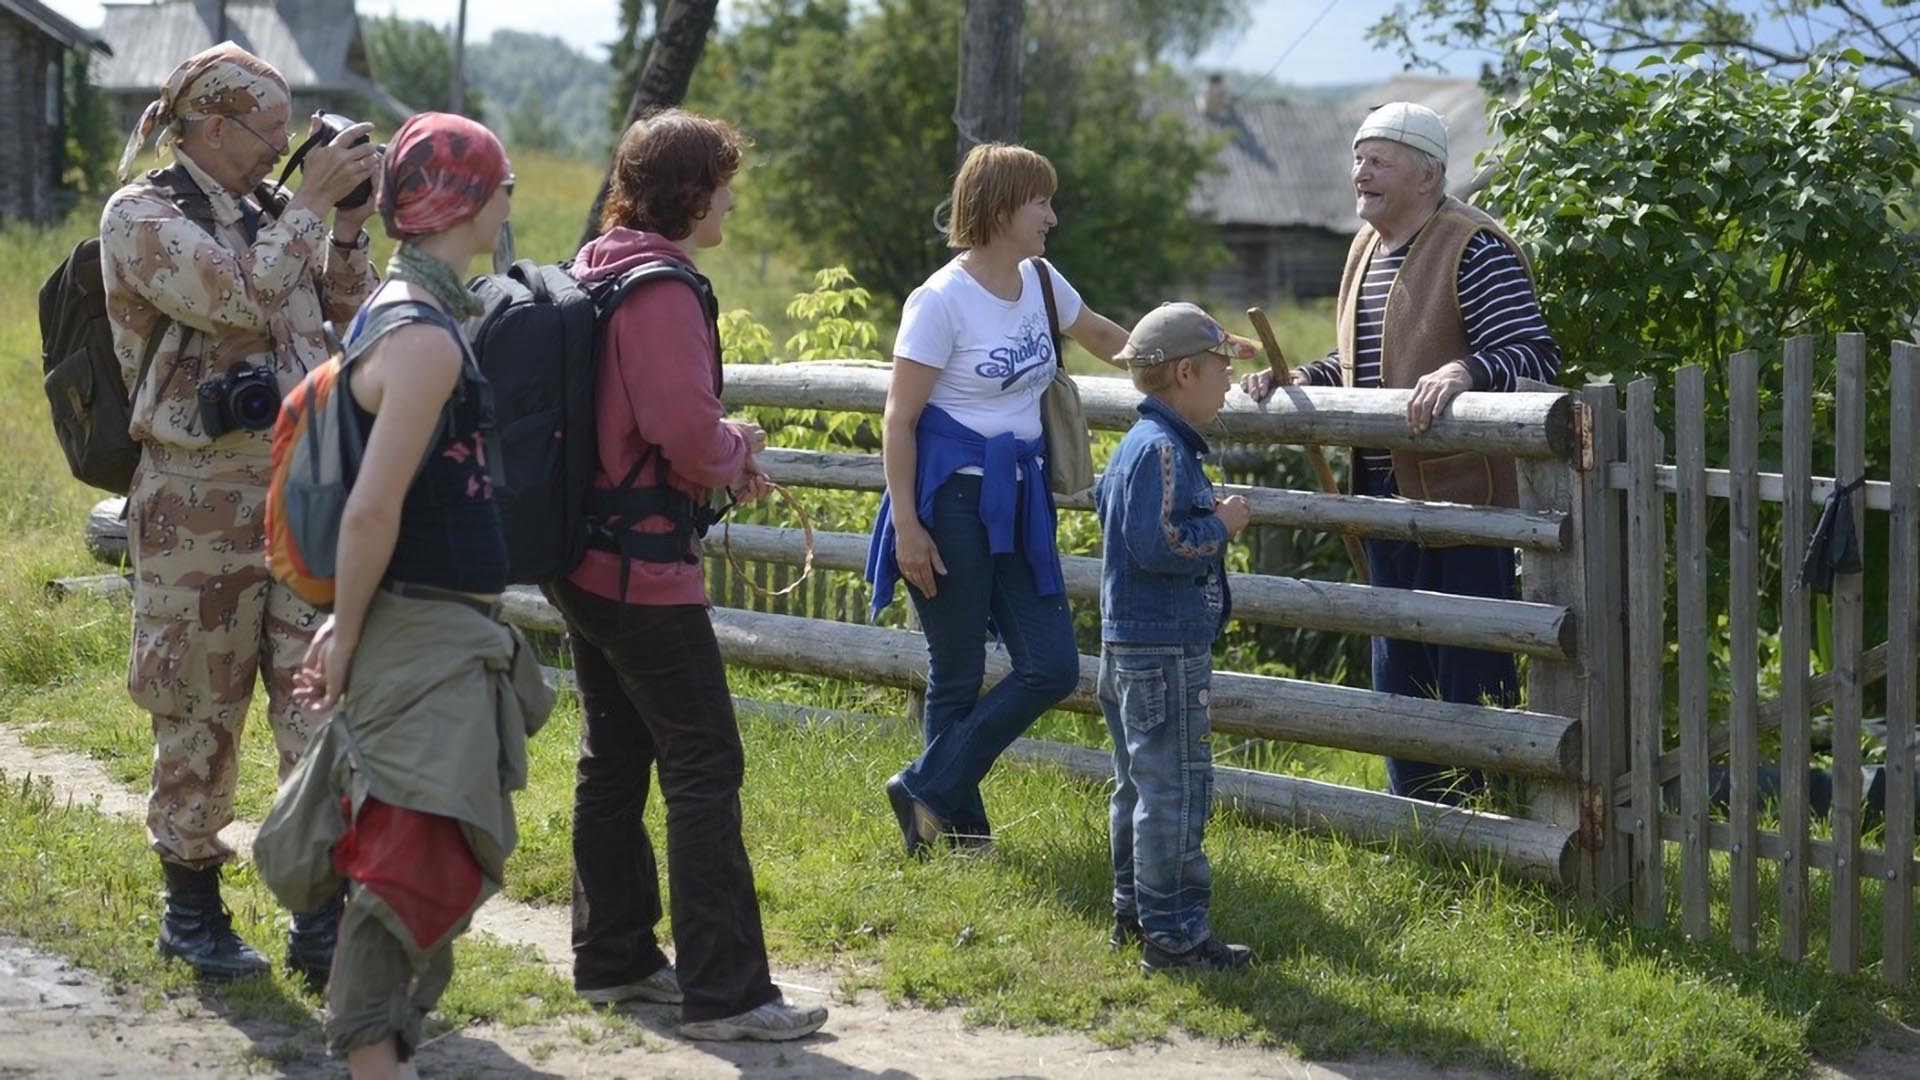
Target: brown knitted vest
x,y
1423,332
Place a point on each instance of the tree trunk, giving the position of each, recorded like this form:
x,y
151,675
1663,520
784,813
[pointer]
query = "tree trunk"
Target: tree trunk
x,y
677,44
987,105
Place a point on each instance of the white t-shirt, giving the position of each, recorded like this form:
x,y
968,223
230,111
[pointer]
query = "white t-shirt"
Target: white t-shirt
x,y
995,356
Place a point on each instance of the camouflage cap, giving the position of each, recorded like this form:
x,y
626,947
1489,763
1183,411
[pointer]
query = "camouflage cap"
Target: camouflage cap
x,y
225,80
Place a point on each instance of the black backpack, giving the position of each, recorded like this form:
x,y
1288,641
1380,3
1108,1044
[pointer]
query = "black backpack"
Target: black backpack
x,y
88,395
537,344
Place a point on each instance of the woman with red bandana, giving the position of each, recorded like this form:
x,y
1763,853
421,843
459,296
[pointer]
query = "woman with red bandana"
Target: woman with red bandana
x,y
421,563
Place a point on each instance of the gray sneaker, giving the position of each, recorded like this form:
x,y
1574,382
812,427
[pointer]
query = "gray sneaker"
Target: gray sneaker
x,y
776,1021
661,988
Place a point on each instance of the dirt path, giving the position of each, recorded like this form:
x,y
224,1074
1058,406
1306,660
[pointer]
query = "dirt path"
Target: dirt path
x,y
59,1021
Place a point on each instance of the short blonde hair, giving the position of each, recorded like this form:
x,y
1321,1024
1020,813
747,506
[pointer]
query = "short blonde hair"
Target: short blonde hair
x,y
995,180
1155,378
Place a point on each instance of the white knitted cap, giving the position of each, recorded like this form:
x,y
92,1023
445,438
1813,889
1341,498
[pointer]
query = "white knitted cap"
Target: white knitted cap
x,y
1407,124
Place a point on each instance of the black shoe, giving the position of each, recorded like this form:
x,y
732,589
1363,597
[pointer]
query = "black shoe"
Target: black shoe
x,y
198,929
1210,955
919,826
311,940
1126,932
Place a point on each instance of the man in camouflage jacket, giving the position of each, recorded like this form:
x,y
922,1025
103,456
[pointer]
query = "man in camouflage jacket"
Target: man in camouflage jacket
x,y
252,288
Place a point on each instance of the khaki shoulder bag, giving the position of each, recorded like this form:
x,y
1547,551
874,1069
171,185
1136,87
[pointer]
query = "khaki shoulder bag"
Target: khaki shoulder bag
x,y
1064,422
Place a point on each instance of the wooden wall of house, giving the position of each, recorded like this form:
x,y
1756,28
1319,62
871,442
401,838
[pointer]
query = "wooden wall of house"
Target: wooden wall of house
x,y
29,143
1267,263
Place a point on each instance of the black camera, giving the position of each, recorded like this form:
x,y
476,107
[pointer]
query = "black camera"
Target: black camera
x,y
246,397
331,125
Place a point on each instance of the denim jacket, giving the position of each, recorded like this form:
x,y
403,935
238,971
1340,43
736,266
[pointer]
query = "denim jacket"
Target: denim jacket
x,y
1163,574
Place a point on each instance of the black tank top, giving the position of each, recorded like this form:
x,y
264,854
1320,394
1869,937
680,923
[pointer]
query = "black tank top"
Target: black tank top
x,y
450,536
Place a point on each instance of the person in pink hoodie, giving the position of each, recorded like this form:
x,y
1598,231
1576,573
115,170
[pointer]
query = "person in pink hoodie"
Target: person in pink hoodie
x,y
653,687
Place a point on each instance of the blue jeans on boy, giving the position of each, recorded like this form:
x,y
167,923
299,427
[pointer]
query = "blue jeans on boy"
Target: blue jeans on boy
x,y
1155,701
966,732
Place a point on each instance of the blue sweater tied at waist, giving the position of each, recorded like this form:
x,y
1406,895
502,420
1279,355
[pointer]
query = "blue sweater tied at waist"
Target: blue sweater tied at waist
x,y
945,446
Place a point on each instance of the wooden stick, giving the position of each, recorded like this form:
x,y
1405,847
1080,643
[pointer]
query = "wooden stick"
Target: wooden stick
x,y
1283,377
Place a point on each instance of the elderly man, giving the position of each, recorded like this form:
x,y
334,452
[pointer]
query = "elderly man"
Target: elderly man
x,y
1436,298
217,287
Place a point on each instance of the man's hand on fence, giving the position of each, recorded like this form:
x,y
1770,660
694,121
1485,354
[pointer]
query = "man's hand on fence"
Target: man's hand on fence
x,y
1434,392
919,560
1258,385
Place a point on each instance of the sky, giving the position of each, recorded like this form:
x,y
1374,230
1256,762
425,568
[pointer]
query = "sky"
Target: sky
x,y
1334,51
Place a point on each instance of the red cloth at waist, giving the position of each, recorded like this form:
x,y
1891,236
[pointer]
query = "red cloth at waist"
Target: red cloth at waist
x,y
419,864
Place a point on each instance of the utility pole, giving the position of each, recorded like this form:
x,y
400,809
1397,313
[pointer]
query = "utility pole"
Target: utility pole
x,y
987,105
457,93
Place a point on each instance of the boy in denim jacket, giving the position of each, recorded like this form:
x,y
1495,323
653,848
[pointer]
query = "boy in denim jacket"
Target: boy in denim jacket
x,y
1163,600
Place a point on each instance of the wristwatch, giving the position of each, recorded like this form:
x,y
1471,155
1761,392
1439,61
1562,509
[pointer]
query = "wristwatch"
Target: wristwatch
x,y
358,243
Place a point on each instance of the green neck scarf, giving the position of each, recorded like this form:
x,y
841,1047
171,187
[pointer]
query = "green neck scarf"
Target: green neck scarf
x,y
433,274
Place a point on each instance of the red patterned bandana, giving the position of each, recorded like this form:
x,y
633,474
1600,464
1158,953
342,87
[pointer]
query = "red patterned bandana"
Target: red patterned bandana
x,y
440,169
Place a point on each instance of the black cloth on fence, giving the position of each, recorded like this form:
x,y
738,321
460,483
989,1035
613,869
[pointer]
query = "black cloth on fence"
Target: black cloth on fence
x,y
1834,547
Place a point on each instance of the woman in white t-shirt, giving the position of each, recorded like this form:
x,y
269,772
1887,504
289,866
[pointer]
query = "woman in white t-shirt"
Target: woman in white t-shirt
x,y
962,445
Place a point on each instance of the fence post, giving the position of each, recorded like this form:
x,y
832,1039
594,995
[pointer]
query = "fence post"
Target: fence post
x,y
1560,686
1602,640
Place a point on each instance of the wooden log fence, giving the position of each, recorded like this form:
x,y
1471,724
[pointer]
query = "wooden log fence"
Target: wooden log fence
x,y
1606,514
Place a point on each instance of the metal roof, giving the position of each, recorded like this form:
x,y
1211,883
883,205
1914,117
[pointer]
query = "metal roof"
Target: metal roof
x,y
1286,160
314,43
54,25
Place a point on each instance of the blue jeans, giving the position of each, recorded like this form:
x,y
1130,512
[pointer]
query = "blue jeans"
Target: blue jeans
x,y
1446,672
1155,701
966,732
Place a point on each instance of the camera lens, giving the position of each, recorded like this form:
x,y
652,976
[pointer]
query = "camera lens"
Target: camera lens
x,y
255,404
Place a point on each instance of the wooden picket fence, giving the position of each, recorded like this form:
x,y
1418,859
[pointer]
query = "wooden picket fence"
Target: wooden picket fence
x,y
1638,480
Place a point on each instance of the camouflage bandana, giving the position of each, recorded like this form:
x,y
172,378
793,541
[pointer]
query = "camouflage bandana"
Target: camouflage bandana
x,y
225,80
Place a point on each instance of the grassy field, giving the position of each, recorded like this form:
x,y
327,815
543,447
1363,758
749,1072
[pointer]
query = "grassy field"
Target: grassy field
x,y
1366,949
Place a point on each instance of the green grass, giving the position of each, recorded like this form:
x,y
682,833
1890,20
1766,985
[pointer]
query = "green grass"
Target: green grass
x,y
1366,949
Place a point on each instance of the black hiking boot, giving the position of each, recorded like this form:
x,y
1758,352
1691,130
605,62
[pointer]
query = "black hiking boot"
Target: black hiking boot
x,y
198,929
1210,955
310,941
1126,932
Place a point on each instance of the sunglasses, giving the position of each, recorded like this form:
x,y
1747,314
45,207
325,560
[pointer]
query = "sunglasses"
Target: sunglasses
x,y
507,185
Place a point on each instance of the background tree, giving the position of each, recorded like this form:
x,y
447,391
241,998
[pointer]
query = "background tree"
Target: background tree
x,y
1773,34
414,61
678,41
1683,212
852,108
92,143
542,87
627,52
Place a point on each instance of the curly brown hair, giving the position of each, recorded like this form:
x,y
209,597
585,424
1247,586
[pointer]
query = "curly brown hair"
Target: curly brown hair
x,y
667,168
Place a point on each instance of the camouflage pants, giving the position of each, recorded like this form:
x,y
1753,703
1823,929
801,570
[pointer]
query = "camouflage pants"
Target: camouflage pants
x,y
206,620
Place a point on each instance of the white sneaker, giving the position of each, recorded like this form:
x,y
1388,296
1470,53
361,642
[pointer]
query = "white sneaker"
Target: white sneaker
x,y
776,1021
661,988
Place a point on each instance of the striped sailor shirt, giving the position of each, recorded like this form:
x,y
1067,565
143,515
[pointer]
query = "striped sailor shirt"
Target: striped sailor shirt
x,y
1505,328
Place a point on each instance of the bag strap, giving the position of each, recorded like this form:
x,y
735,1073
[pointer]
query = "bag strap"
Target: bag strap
x,y
368,329
184,192
1053,310
609,292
